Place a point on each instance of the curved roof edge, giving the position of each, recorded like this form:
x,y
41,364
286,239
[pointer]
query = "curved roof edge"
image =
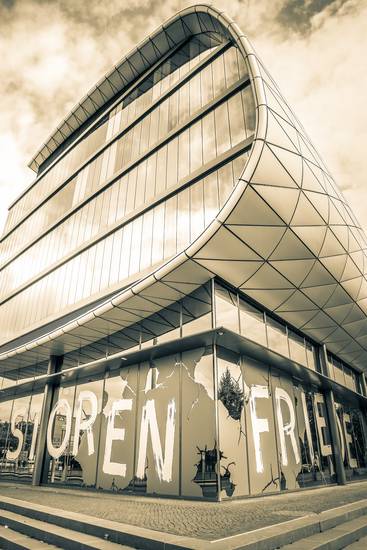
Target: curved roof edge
x,y
150,50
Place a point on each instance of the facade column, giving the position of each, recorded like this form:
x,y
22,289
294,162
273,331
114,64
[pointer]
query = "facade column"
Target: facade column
x,y
331,411
54,365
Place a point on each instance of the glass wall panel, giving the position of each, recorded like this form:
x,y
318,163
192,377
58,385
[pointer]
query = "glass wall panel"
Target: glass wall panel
x,y
199,458
120,152
264,471
116,458
277,336
252,323
325,460
232,425
59,460
84,438
226,309
287,431
312,471
157,448
297,348
15,463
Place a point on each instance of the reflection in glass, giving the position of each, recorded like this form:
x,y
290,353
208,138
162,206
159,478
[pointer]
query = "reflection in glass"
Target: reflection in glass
x,y
226,309
252,323
277,336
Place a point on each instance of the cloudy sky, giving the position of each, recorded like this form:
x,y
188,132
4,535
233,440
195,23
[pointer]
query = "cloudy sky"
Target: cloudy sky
x,y
53,51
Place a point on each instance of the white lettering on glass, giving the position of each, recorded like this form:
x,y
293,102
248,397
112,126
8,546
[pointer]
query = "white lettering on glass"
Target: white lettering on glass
x,y
61,405
16,432
321,425
149,421
307,426
87,423
259,425
115,434
286,429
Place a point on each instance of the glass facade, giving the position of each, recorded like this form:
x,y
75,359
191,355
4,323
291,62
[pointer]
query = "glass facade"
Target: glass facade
x,y
132,133
164,145
234,312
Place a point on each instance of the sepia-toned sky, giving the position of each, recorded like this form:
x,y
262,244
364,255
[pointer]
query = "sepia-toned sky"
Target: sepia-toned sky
x,y
53,51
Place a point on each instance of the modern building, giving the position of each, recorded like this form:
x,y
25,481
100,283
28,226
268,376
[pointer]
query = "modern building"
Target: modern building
x,y
183,286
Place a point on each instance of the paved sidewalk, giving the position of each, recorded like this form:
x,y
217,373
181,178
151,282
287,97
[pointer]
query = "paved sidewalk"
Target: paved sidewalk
x,y
205,520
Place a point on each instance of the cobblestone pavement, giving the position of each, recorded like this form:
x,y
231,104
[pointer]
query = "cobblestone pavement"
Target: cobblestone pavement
x,y
207,520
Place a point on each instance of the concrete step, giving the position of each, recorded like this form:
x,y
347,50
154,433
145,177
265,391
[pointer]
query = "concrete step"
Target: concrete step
x,y
11,540
53,534
361,544
333,539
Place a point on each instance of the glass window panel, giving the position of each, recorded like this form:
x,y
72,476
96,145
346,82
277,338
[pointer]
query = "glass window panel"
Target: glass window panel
x,y
160,184
183,219
158,234
151,176
163,119
172,163
222,128
225,182
147,235
135,245
196,146
120,384
153,132
241,64
195,94
131,189
209,142
121,203
140,184
311,357
219,79
173,111
115,260
196,209
249,108
231,66
211,202
105,275
183,155
59,468
236,119
144,139
170,227
113,204
98,266
84,445
136,140
338,372
111,160
125,252
207,85
349,379
226,309
184,103
277,336
252,323
15,455
297,348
